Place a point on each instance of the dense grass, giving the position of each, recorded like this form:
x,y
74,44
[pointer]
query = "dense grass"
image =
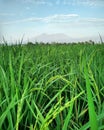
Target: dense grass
x,y
52,87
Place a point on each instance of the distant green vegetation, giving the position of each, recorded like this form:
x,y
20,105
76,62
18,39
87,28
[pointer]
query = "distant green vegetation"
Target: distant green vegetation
x,y
52,87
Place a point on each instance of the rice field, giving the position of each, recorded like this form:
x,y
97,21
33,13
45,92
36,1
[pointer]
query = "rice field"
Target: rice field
x,y
52,87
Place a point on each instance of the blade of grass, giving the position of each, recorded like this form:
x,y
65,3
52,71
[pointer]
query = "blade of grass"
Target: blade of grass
x,y
68,117
20,104
41,118
91,108
6,91
5,113
87,125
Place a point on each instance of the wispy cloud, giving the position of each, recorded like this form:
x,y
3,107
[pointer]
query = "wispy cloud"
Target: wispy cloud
x,y
67,2
84,2
69,19
22,21
48,19
64,2
91,22
60,18
38,2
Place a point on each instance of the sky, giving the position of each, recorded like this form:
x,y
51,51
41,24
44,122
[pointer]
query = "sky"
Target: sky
x,y
27,19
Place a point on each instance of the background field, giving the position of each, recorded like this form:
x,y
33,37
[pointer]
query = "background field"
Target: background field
x,y
52,87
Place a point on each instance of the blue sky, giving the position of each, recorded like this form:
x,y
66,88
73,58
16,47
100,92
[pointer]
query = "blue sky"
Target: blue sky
x,y
78,19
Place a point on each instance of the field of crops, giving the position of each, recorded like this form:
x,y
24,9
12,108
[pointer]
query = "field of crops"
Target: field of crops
x,y
52,87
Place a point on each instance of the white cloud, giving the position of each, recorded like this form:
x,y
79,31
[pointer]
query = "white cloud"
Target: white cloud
x,y
22,21
84,2
66,2
38,2
49,19
94,21
62,19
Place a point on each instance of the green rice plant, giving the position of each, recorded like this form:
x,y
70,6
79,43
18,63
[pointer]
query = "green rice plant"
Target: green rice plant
x,y
57,86
68,117
21,103
87,125
8,104
91,108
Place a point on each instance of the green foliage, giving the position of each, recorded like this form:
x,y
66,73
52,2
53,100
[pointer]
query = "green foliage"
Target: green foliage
x,y
52,86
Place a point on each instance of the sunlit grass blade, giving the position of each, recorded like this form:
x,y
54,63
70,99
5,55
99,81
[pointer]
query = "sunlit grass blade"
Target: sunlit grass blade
x,y
20,68
20,104
91,108
68,117
12,78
